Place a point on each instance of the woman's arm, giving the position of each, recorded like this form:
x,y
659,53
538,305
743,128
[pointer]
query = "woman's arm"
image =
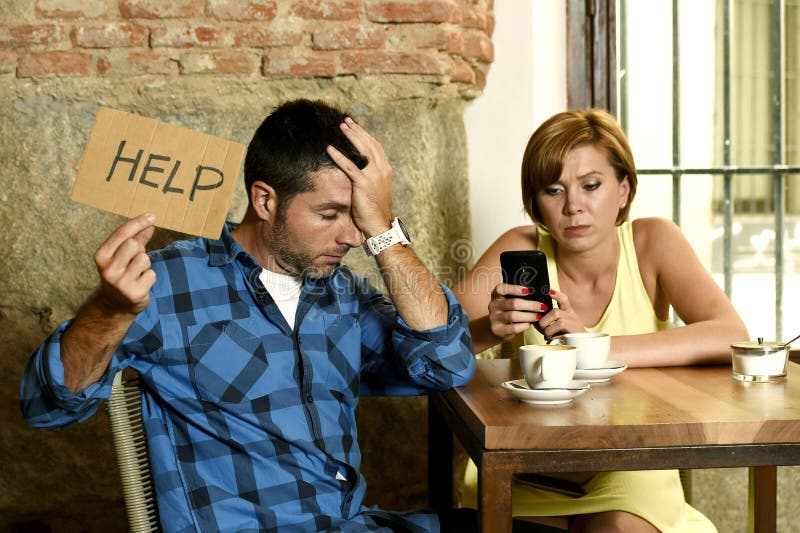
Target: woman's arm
x,y
495,318
673,275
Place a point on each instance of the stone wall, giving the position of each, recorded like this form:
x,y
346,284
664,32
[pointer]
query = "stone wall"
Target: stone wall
x,y
402,68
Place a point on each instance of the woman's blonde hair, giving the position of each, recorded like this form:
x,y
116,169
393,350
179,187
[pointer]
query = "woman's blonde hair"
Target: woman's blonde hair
x,y
549,145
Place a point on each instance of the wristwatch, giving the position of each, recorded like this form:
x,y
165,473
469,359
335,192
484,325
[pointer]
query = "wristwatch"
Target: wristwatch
x,y
396,234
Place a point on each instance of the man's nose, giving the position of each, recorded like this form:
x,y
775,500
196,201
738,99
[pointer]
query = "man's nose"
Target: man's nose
x,y
350,234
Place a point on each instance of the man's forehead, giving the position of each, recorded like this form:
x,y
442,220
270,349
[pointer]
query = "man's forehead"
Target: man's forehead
x,y
332,186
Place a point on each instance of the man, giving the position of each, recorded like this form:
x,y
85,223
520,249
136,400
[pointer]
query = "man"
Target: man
x,y
254,349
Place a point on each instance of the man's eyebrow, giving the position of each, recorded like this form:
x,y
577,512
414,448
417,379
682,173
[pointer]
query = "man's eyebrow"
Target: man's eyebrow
x,y
338,206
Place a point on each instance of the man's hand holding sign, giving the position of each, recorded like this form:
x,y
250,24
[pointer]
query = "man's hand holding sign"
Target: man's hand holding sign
x,y
124,291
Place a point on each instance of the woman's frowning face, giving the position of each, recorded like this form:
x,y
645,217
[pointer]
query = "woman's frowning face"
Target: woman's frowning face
x,y
582,206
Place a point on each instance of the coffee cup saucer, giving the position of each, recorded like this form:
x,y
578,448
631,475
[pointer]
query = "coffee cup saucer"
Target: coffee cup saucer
x,y
519,389
602,374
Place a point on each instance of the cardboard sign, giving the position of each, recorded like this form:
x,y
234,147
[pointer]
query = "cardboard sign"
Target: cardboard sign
x,y
133,164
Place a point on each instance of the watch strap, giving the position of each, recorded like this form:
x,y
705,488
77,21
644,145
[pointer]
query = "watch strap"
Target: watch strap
x,y
382,241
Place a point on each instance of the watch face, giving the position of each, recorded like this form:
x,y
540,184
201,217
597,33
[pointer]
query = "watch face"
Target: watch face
x,y
403,229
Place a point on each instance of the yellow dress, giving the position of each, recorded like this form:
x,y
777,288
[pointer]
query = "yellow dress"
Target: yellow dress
x,y
655,495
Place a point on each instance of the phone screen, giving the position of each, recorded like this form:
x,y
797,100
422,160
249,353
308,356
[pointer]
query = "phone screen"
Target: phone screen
x,y
529,269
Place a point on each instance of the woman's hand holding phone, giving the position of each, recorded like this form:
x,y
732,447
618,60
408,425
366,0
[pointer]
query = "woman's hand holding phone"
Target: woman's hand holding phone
x,y
559,320
525,298
510,313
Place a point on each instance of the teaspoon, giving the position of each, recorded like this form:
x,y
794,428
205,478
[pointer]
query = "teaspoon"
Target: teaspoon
x,y
791,341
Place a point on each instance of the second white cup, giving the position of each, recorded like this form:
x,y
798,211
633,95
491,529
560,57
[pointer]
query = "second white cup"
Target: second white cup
x,y
593,348
547,366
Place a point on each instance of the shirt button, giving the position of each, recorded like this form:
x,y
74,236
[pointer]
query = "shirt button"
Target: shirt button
x,y
310,399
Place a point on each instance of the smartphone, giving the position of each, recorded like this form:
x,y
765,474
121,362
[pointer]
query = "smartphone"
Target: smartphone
x,y
529,269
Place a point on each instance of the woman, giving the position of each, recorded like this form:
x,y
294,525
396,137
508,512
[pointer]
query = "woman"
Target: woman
x,y
606,274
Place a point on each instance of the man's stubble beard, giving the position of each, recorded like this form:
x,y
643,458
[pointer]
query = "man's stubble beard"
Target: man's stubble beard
x,y
295,262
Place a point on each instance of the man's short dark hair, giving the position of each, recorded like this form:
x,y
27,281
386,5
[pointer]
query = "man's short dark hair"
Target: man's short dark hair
x,y
289,146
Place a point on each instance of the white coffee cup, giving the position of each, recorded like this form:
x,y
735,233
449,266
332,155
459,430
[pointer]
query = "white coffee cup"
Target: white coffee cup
x,y
593,348
547,366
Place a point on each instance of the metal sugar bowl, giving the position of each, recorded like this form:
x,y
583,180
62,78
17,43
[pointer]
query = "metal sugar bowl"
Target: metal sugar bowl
x,y
760,362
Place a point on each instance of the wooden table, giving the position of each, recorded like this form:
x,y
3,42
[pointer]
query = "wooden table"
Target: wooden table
x,y
645,418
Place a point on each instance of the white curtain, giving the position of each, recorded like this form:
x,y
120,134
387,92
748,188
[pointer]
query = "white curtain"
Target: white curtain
x,y
752,79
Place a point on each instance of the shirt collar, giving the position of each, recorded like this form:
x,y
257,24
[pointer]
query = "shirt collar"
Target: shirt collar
x,y
224,250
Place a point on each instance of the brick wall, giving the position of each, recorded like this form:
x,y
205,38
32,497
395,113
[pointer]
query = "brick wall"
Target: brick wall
x,y
447,41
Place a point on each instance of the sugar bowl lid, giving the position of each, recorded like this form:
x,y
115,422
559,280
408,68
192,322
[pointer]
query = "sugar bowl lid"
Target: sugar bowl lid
x,y
758,348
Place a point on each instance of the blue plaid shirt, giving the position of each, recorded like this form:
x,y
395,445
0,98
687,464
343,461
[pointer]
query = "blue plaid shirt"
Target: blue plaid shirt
x,y
251,426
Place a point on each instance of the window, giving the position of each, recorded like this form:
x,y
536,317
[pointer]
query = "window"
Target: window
x,y
708,92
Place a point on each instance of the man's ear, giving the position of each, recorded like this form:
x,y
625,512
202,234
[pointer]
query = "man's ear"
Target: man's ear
x,y
264,201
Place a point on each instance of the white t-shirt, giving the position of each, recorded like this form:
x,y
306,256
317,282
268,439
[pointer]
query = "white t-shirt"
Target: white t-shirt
x,y
285,290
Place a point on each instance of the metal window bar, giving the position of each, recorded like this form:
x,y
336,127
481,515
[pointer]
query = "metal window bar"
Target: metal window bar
x,y
676,116
727,177
779,157
779,170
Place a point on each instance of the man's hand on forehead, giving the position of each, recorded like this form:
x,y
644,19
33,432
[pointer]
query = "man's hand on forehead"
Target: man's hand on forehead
x,y
372,185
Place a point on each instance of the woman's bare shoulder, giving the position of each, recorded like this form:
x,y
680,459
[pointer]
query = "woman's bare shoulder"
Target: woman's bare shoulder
x,y
659,242
521,236
518,238
656,232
